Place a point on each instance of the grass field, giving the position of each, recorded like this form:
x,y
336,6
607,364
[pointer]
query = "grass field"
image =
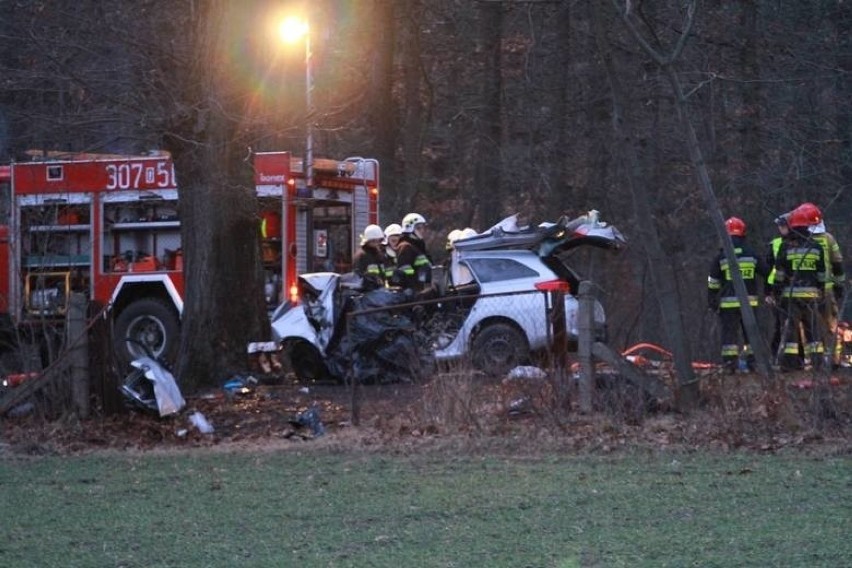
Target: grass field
x,y
319,508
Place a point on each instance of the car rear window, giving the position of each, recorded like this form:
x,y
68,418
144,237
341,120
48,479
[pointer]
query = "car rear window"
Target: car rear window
x,y
500,269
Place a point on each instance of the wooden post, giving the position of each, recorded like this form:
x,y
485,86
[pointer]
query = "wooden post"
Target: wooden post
x,y
585,340
355,392
78,343
560,346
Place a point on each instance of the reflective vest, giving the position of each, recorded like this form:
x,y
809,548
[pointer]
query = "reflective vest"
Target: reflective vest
x,y
720,280
776,246
833,260
800,270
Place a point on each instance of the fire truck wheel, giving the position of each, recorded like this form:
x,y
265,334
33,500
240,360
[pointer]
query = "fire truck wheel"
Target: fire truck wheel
x,y
151,322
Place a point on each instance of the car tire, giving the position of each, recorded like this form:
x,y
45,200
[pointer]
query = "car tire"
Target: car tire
x,y
150,322
498,348
305,360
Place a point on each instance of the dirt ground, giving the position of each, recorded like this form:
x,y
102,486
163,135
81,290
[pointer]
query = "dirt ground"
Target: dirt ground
x,y
736,412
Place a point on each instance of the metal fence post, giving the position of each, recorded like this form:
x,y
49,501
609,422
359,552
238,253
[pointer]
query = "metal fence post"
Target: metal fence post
x,y
585,340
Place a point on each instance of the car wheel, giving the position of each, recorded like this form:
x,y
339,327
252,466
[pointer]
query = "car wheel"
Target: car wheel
x,y
305,360
498,348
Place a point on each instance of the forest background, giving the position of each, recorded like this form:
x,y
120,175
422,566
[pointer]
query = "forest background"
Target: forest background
x,y
476,109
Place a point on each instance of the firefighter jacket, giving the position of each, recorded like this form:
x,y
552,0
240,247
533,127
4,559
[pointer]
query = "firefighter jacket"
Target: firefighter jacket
x,y
392,276
835,276
369,264
414,265
800,269
774,247
720,284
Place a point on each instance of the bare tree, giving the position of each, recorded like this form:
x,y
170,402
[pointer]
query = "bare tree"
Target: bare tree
x,y
667,63
662,276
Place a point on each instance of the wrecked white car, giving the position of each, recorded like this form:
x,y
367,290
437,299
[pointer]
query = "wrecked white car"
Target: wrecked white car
x,y
492,307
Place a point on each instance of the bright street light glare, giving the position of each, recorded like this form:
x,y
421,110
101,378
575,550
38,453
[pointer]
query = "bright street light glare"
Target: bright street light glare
x,y
292,30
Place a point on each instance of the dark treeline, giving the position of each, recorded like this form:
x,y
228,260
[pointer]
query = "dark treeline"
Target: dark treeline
x,y
476,109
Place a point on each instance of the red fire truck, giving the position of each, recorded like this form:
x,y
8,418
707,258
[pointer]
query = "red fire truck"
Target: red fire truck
x,y
108,226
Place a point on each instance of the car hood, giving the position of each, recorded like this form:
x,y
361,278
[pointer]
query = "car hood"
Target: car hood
x,y
547,238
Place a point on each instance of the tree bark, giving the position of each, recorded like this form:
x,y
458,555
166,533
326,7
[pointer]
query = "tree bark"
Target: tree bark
x,y
223,305
383,110
487,177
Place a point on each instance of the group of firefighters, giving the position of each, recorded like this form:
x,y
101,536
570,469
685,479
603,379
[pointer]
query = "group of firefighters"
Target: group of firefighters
x,y
804,282
396,256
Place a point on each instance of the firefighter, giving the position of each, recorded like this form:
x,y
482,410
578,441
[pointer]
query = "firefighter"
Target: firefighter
x,y
413,262
369,262
835,278
779,315
800,274
723,299
393,233
458,274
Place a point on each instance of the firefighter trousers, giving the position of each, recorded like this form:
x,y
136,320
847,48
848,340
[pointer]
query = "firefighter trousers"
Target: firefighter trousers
x,y
804,314
734,339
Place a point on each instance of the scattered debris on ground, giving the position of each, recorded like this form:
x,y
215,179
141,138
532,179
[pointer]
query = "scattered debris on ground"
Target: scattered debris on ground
x,y
738,411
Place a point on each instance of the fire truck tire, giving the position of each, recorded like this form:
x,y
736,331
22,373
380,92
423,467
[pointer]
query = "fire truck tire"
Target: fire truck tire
x,y
151,322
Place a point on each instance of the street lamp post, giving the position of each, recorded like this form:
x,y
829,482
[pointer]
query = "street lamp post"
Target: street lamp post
x,y
292,30
309,134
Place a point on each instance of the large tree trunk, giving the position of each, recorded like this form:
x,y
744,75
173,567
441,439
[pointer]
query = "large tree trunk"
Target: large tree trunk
x,y
383,110
223,307
487,170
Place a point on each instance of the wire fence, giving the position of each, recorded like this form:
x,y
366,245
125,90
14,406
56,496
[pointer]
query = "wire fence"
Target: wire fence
x,y
459,335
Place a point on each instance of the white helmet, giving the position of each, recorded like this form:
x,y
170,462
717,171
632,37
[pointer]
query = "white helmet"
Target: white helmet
x,y
410,220
467,233
392,229
372,233
454,235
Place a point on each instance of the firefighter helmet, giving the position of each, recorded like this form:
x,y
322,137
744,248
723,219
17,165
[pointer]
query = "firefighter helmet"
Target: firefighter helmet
x,y
736,227
392,230
454,235
810,213
410,220
467,233
800,218
372,233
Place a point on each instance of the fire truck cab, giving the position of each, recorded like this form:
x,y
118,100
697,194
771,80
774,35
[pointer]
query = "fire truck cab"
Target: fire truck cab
x,y
108,226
